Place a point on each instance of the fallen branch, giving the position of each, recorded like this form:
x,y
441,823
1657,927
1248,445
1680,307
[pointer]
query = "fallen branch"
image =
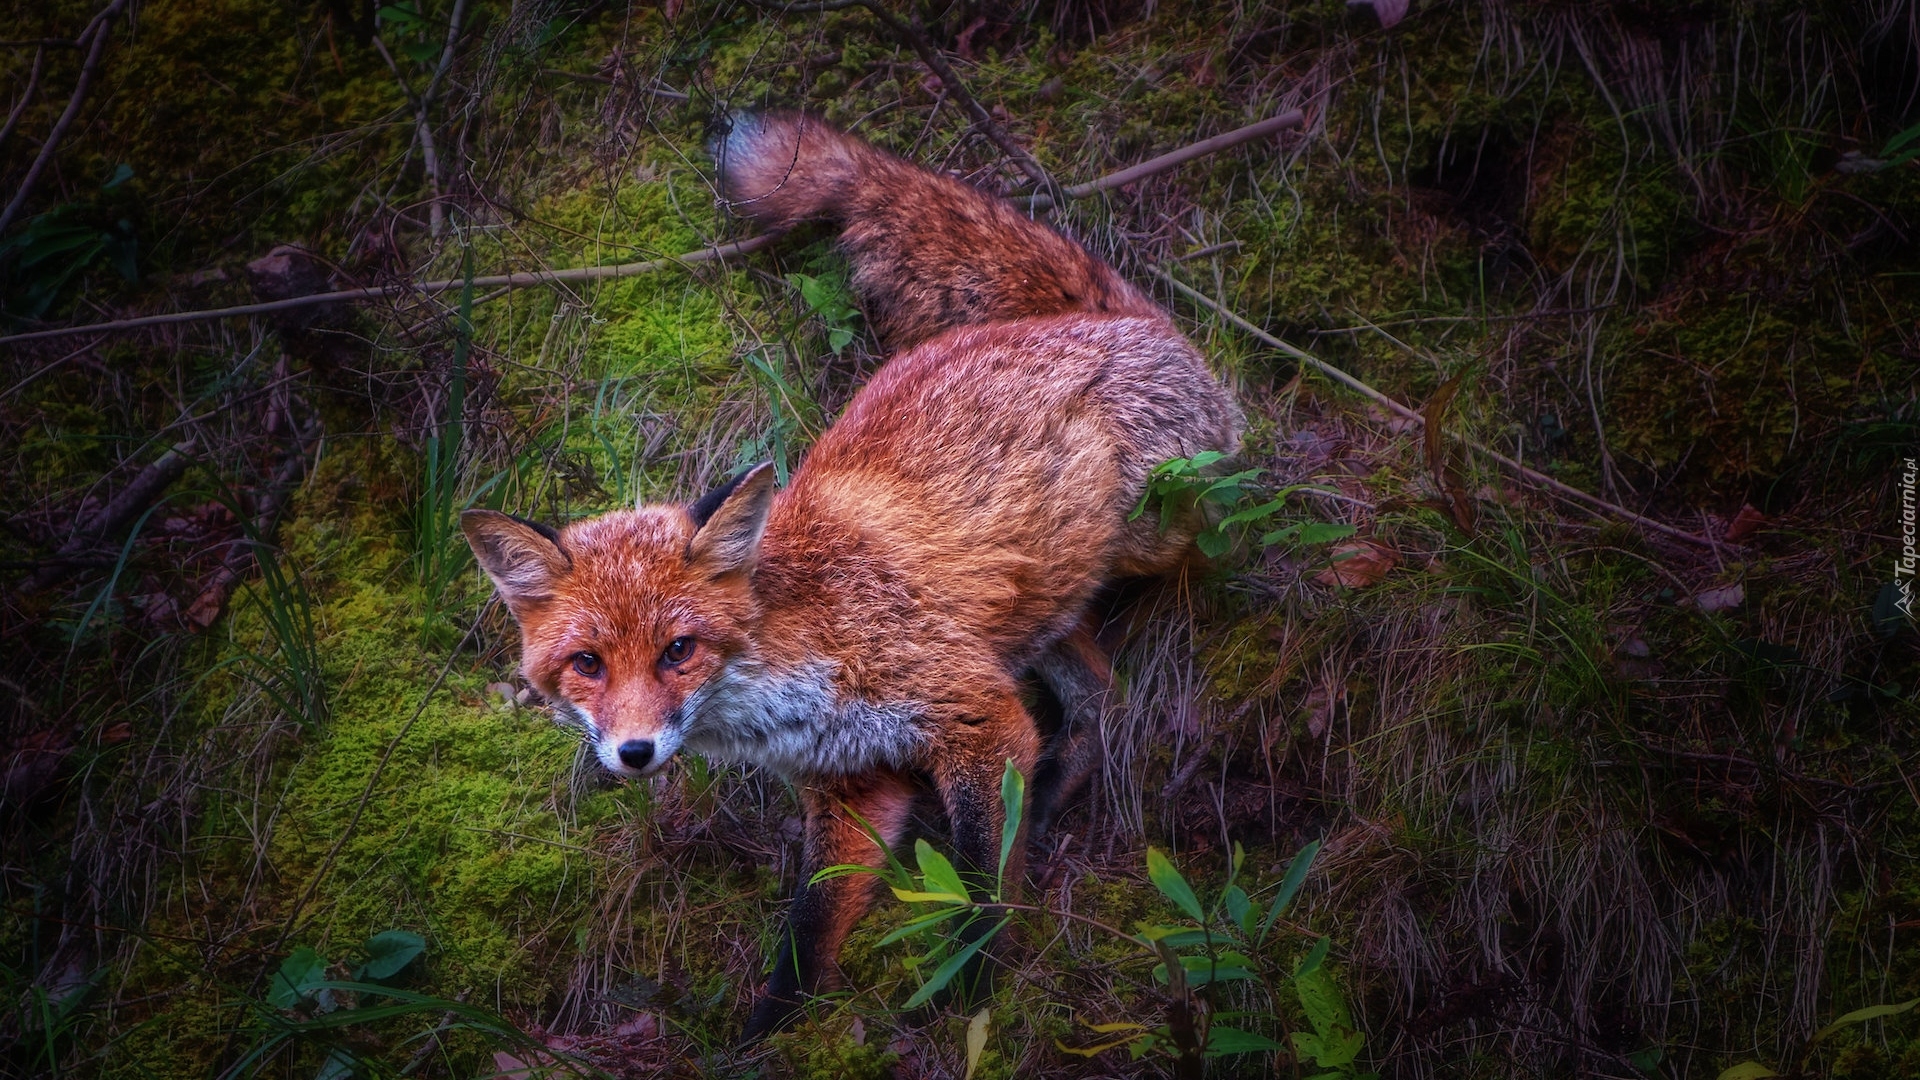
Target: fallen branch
x,y
206,607
520,280
1592,503
111,518
101,28
26,96
608,80
1286,121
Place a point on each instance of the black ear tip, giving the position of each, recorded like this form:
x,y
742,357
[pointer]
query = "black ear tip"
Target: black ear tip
x,y
703,510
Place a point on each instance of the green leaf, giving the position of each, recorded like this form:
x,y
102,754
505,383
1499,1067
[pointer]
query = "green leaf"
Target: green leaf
x,y
1240,910
1315,956
299,974
1201,970
1747,1070
1321,1000
122,173
912,897
1213,543
1323,532
939,875
388,953
1330,1050
1013,800
1289,885
945,972
1226,1040
924,922
1166,877
838,338
1859,1016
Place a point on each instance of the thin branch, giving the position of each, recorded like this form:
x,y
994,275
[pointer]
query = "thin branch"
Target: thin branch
x,y
101,29
139,493
1285,121
521,280
608,80
1592,503
912,36
26,97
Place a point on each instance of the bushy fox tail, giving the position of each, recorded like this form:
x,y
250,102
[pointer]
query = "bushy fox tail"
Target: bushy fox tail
x,y
929,253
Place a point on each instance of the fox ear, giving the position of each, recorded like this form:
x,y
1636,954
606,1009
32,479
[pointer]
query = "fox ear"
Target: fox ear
x,y
730,522
523,559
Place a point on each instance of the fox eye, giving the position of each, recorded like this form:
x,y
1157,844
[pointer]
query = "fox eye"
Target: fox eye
x,y
587,664
677,650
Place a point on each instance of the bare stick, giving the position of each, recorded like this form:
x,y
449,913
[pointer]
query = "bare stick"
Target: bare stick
x,y
135,497
1285,121
913,38
1592,503
520,280
26,97
102,29
608,80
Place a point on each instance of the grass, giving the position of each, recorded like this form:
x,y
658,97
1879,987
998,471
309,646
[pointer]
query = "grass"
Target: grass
x,y
1573,823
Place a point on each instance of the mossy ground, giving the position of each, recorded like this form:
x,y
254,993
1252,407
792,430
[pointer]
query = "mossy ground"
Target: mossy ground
x,y
1577,820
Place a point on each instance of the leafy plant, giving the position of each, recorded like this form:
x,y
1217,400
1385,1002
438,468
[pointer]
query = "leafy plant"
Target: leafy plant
x,y
58,245
829,298
1754,1070
1903,147
342,1020
1182,485
1218,948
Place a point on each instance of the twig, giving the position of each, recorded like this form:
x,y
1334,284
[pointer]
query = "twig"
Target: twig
x,y
135,497
1592,503
206,607
520,280
1285,121
26,96
608,80
101,29
912,37
422,108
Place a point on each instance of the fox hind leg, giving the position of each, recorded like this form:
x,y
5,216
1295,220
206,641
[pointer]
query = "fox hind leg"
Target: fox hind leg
x,y
1078,673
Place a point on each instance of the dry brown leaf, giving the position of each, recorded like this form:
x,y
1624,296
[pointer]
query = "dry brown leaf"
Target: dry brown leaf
x,y
1358,564
1745,523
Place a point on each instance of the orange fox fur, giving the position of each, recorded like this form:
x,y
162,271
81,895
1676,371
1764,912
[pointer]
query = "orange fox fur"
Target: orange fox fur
x,y
863,632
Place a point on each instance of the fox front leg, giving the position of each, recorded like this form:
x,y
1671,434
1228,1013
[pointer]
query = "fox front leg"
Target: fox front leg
x,y
823,913
968,778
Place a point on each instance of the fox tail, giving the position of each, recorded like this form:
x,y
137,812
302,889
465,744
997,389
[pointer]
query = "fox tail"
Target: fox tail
x,y
928,252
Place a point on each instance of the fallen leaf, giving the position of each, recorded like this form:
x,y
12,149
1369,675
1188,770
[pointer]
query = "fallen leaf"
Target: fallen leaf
x,y
117,733
1744,524
643,1026
976,1040
1358,564
1720,597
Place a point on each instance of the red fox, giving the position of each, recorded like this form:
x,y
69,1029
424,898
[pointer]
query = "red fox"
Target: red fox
x,y
863,632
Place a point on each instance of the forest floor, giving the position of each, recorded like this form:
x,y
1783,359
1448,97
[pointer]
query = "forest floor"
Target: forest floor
x,y
1573,656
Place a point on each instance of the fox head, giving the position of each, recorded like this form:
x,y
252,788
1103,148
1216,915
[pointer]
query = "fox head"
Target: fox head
x,y
624,617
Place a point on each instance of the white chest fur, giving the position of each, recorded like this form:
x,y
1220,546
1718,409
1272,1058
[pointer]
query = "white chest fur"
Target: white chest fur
x,y
796,723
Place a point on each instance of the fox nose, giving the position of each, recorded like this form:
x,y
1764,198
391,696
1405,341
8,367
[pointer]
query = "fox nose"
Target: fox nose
x,y
635,753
